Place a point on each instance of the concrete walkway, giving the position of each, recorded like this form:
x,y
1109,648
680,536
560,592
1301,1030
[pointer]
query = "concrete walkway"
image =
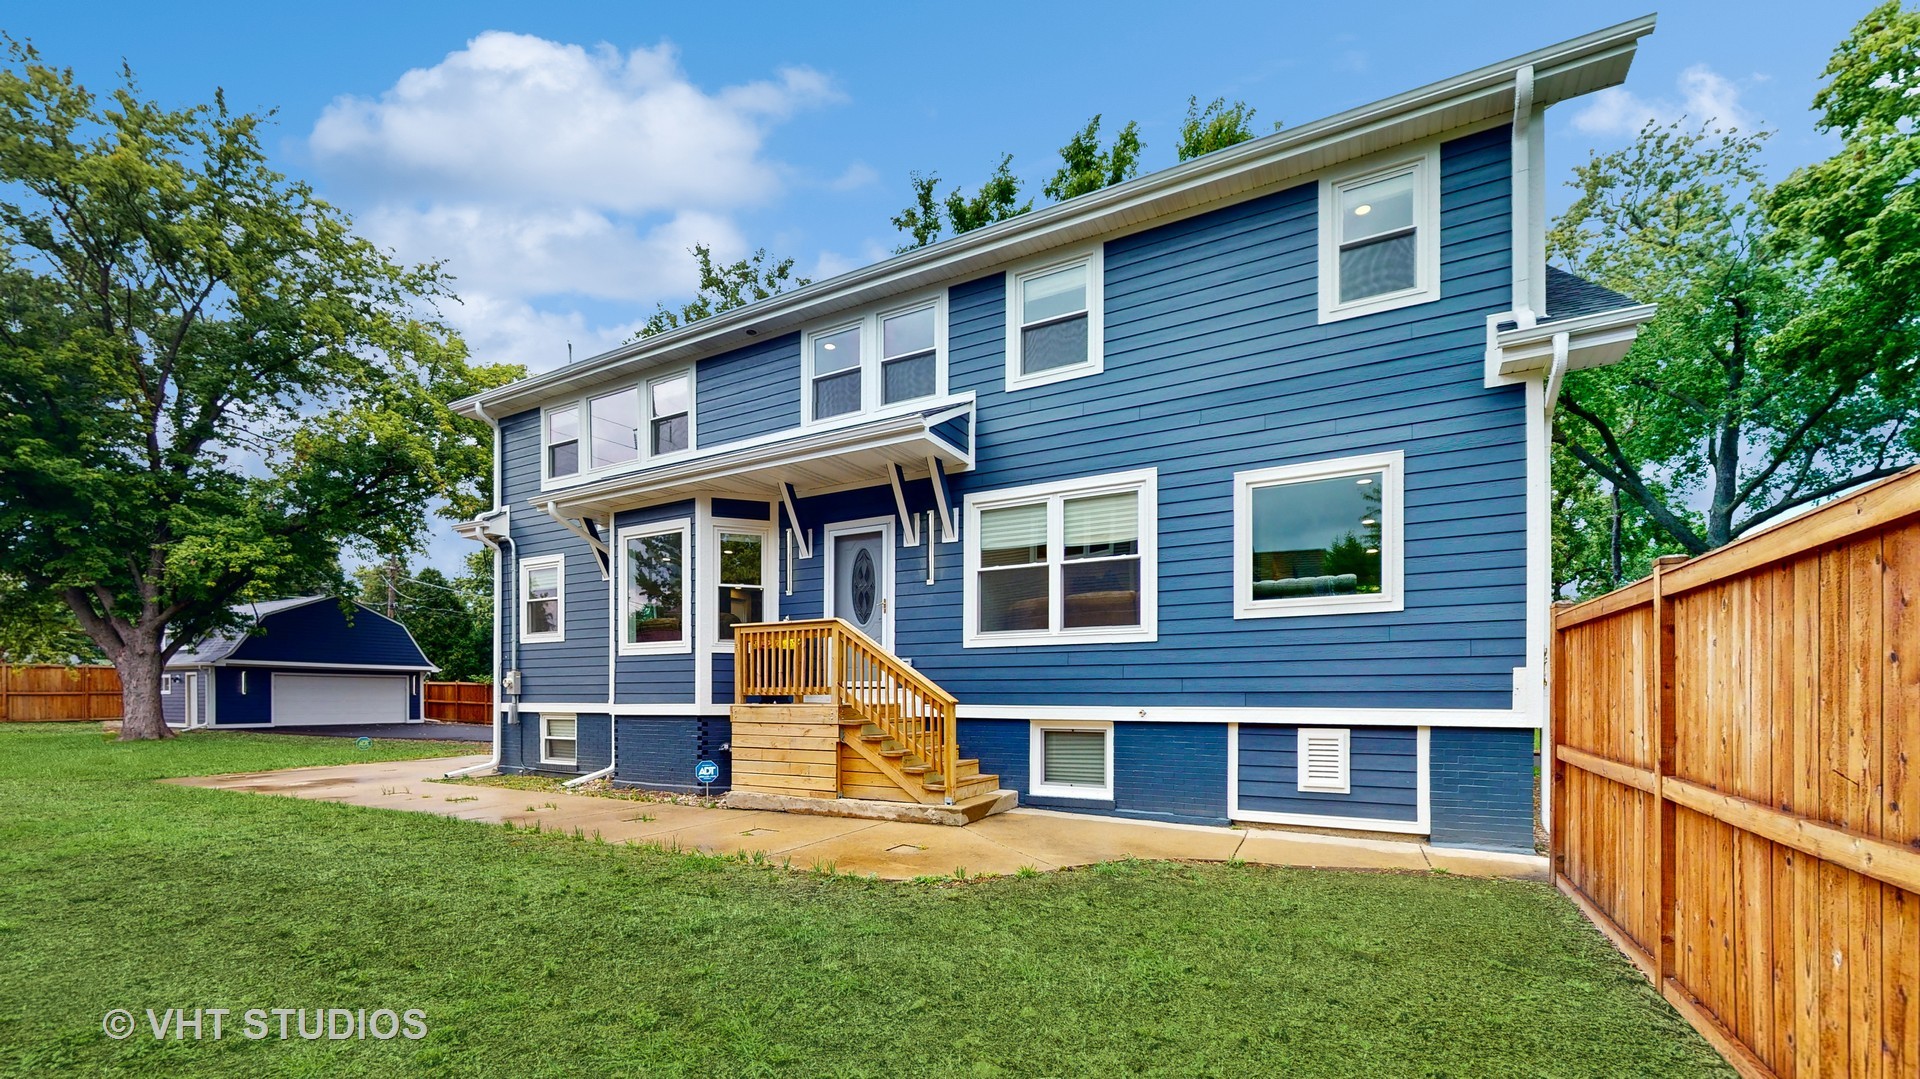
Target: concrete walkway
x,y
1000,845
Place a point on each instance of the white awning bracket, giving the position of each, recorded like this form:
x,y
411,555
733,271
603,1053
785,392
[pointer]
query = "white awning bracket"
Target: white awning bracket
x,y
909,524
584,528
942,499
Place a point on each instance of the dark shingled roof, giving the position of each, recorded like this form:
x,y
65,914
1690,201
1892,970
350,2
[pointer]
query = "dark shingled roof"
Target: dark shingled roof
x,y
1570,296
218,646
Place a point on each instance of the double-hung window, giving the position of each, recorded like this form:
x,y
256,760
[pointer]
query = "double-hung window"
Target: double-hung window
x,y
742,592
669,411
1054,323
563,441
543,599
620,428
1380,237
1063,562
653,592
890,357
1319,538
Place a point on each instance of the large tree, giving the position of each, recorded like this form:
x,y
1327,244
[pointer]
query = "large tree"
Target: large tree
x,y
1773,377
208,384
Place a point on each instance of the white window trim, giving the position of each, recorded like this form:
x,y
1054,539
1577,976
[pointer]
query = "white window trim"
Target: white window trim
x,y
684,645
166,684
645,458
1094,257
869,323
527,566
1036,761
1145,482
1392,595
769,573
566,762
1425,165
1342,735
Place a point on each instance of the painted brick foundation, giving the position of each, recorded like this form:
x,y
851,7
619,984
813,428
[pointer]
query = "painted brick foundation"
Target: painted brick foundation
x,y
1482,788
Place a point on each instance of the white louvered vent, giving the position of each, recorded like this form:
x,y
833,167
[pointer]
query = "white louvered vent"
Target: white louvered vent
x,y
1324,760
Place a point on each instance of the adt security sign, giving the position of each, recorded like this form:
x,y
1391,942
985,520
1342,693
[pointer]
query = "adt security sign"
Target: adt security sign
x,y
706,772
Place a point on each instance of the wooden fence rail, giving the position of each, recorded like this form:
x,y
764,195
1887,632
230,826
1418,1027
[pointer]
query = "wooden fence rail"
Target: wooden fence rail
x,y
1734,799
52,693
459,702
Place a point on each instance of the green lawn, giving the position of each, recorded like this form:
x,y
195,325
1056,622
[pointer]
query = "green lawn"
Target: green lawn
x,y
540,954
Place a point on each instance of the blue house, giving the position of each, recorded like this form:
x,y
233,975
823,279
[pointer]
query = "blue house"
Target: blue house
x,y
1216,495
301,662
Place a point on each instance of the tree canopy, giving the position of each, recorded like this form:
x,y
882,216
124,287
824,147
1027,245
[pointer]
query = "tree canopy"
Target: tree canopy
x,y
724,286
1781,369
1086,165
209,385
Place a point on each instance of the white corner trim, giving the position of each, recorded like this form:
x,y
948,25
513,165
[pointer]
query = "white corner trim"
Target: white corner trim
x,y
1423,160
1144,481
683,526
557,562
1036,761
1093,256
1393,593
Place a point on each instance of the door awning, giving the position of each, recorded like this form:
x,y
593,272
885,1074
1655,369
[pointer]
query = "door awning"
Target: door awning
x,y
837,456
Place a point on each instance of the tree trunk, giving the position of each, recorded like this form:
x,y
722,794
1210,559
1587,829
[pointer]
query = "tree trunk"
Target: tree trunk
x,y
140,674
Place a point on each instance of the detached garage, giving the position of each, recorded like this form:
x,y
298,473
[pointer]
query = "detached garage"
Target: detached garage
x,y
306,662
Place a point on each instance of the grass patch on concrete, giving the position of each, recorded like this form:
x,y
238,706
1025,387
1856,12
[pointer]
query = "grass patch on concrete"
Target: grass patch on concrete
x,y
539,954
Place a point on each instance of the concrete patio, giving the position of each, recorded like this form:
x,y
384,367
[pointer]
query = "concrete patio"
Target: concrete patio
x,y
997,846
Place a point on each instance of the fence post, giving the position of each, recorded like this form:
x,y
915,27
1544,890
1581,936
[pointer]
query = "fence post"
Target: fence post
x,y
1661,672
1554,807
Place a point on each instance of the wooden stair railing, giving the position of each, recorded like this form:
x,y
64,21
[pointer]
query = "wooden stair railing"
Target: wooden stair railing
x,y
828,657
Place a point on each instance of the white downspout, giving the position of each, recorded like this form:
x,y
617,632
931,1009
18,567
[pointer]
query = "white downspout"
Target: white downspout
x,y
492,763
1540,608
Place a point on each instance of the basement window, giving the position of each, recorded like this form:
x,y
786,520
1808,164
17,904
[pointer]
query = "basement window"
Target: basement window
x,y
1072,759
559,739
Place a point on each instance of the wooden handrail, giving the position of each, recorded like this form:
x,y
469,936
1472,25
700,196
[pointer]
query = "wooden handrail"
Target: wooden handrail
x,y
828,657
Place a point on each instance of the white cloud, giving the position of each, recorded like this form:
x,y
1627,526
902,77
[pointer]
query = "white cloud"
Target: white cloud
x,y
524,118
1703,97
552,178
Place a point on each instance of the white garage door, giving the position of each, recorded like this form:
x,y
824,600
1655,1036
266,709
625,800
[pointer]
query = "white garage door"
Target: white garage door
x,y
310,699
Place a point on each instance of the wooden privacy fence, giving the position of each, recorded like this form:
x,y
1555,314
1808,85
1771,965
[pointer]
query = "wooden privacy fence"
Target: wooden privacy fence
x,y
1736,785
49,693
459,702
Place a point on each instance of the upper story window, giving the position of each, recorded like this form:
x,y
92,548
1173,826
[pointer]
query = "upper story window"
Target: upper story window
x,y
891,357
1054,323
1319,538
621,428
1380,237
1063,562
543,599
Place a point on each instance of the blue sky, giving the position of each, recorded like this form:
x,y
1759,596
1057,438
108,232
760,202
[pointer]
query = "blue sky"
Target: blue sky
x,y
561,158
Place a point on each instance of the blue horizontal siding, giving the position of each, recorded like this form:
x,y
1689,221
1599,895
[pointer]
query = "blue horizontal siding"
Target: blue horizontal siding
x,y
1384,771
747,392
574,669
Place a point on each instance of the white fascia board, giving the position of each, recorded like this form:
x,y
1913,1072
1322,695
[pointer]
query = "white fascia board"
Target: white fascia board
x,y
1569,69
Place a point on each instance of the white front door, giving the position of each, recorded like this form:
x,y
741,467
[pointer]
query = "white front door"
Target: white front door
x,y
193,699
860,579
312,699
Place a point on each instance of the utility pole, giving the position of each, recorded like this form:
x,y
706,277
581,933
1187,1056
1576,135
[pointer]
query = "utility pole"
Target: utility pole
x,y
393,573
1614,549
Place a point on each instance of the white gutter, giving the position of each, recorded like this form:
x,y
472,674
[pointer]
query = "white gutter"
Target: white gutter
x,y
492,763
